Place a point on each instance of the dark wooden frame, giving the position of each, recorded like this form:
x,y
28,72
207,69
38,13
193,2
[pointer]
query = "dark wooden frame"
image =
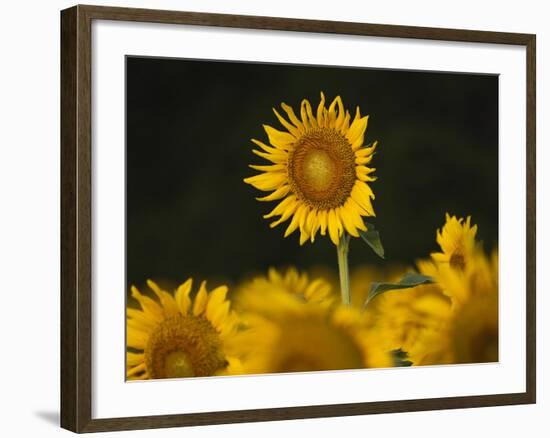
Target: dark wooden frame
x,y
76,335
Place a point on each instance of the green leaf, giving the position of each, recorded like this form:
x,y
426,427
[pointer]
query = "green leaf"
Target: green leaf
x,y
372,238
410,279
400,358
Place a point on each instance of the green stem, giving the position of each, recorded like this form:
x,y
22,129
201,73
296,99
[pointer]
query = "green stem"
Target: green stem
x,y
343,269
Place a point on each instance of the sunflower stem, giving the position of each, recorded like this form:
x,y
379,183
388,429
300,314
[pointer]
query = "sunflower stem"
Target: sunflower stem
x,y
342,251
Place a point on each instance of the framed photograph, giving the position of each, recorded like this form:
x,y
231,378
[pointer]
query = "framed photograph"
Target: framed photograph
x,y
268,218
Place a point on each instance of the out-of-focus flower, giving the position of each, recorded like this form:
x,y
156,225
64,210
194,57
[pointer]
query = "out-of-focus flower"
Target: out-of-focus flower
x,y
292,282
288,334
175,336
472,334
459,253
410,320
457,240
454,320
319,169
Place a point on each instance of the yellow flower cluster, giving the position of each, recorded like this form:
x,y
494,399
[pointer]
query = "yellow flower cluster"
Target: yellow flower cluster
x,y
286,321
455,319
319,172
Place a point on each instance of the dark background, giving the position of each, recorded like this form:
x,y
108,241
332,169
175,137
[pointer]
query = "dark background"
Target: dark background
x,y
189,125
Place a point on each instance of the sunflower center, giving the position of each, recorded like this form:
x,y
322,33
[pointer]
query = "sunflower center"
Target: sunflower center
x,y
457,260
318,169
184,346
321,168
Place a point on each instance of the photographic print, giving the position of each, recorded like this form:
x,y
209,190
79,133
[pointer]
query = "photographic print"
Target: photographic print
x,y
299,218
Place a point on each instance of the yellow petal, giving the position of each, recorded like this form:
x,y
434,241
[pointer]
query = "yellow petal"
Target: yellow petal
x,y
286,214
364,152
279,138
308,120
333,227
345,124
292,116
353,212
315,224
143,318
304,237
137,327
182,296
281,192
167,300
219,316
356,132
133,359
341,114
274,158
200,300
268,149
268,168
267,181
348,223
281,207
321,111
135,339
303,218
295,220
136,370
332,112
323,221
148,305
289,127
215,299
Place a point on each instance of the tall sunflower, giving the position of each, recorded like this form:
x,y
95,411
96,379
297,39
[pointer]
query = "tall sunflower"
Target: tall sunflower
x,y
318,171
179,337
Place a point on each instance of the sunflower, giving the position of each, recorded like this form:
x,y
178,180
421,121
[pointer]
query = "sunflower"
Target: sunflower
x,y
292,282
471,333
288,334
318,171
457,240
412,320
179,337
454,320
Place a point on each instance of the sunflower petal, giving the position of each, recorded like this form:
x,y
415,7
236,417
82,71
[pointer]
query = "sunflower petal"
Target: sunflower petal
x,y
292,116
167,300
279,139
200,300
333,227
321,111
182,296
280,193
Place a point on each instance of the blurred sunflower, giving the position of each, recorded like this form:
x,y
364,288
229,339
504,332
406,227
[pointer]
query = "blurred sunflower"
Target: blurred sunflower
x,y
319,169
412,320
457,240
179,337
471,334
290,281
454,320
287,334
